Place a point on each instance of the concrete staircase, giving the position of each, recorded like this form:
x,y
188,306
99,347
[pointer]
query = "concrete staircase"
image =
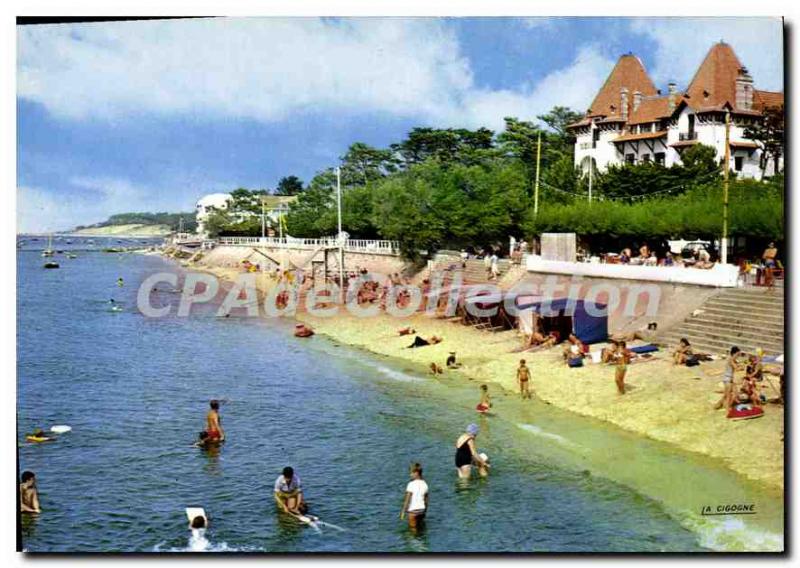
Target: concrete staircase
x,y
475,271
745,317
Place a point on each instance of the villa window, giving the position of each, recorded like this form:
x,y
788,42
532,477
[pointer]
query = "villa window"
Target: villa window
x,y
660,158
738,163
630,158
646,158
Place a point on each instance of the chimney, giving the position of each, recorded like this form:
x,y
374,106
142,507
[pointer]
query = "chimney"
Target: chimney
x,y
744,90
637,100
672,90
623,103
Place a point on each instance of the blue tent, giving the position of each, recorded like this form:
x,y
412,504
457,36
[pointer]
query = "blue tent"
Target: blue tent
x,y
589,327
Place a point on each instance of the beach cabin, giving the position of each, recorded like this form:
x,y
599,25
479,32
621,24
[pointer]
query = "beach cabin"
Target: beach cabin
x,y
566,316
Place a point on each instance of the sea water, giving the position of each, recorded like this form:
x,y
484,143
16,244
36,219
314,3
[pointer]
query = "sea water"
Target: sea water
x,y
135,391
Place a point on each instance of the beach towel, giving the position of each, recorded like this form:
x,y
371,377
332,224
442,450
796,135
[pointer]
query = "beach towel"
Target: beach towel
x,y
644,349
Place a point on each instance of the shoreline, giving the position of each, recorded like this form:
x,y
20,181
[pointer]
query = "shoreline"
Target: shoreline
x,y
665,403
588,391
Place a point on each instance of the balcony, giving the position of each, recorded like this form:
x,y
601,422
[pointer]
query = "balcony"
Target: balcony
x,y
687,136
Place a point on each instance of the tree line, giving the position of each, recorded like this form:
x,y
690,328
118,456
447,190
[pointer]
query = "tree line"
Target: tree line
x,y
454,188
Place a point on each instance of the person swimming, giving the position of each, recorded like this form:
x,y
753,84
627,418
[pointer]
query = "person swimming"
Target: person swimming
x,y
28,493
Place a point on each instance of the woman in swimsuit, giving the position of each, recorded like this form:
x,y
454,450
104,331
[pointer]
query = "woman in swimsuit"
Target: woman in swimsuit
x,y
467,454
731,366
623,357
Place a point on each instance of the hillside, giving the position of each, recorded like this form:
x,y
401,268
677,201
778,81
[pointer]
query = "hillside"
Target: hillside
x,y
133,229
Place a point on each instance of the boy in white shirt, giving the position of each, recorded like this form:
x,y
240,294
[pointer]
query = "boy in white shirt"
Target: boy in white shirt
x,y
416,498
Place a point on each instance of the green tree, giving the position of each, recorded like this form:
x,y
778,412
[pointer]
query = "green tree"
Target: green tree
x,y
289,185
363,163
768,134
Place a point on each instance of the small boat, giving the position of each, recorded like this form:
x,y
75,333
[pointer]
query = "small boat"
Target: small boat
x,y
49,250
72,255
51,264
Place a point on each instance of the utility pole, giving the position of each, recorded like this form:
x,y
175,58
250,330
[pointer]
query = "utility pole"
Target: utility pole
x,y
536,186
726,171
263,229
339,235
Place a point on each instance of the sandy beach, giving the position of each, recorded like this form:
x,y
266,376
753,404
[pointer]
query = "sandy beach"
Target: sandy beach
x,y
663,402
672,404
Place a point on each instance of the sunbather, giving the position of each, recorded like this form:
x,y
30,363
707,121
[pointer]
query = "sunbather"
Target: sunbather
x,y
682,353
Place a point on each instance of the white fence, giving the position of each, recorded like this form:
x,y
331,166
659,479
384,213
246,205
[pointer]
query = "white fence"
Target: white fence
x,y
351,245
721,275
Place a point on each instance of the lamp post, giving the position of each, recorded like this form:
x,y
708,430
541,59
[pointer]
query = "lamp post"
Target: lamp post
x,y
263,230
536,186
339,235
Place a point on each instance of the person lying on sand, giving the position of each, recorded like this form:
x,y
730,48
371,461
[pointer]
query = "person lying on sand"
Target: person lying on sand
x,y
406,331
436,369
422,342
538,339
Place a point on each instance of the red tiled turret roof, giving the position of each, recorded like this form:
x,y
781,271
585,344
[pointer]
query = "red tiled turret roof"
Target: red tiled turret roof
x,y
629,73
714,83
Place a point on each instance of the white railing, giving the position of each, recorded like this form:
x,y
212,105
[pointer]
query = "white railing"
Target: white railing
x,y
351,245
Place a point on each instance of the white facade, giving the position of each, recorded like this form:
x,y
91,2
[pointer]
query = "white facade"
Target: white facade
x,y
597,141
207,204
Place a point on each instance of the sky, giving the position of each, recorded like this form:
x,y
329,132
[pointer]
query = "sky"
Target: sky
x,y
149,116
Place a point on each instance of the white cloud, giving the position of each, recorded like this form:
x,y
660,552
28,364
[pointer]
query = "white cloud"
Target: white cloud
x,y
682,43
255,68
572,86
268,69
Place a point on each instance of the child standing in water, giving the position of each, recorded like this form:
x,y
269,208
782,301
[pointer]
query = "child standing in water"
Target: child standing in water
x,y
486,403
415,503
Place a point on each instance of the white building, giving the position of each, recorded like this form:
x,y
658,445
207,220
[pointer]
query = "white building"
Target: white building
x,y
207,204
631,122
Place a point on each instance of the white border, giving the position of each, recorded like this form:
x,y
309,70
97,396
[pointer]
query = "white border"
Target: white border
x,y
307,8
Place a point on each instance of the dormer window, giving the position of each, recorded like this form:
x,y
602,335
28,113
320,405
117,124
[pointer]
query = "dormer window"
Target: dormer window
x,y
706,94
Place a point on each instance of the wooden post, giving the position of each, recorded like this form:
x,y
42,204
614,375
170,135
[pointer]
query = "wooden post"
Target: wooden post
x,y
726,174
536,186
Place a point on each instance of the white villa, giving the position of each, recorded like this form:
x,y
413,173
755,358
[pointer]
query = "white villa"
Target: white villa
x,y
206,205
274,207
631,122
